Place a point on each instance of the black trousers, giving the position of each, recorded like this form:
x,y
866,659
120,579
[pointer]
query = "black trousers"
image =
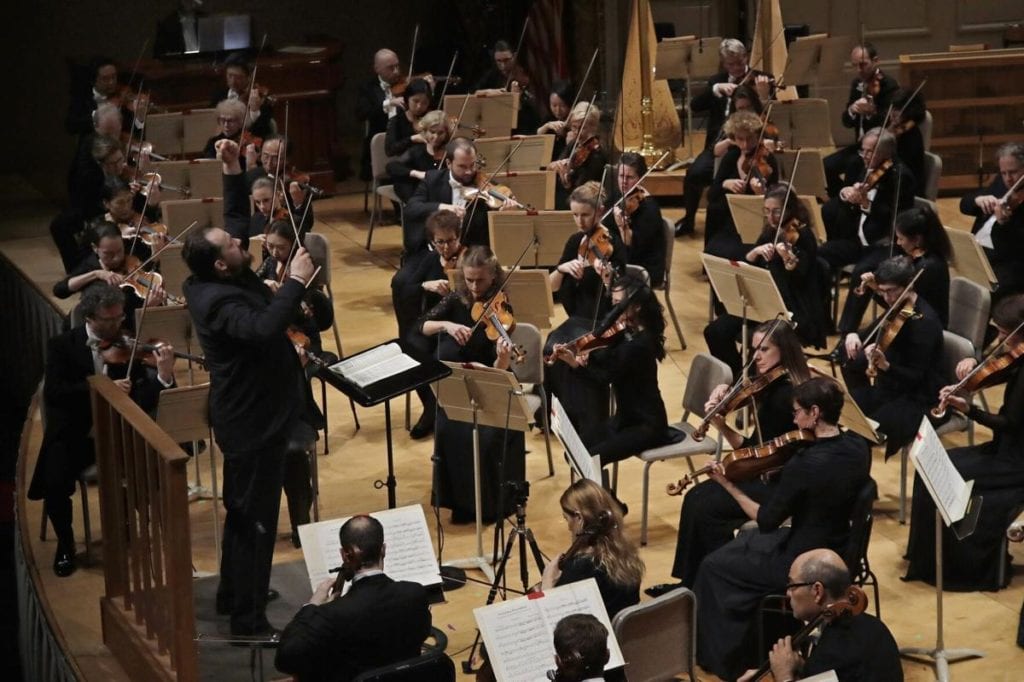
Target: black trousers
x,y
856,305
298,475
61,473
721,336
698,177
252,499
839,253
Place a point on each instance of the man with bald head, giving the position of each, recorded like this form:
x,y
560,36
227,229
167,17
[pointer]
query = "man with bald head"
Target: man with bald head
x,y
375,103
855,647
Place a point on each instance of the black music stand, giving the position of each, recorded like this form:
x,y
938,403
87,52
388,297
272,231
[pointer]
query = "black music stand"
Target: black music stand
x,y
383,391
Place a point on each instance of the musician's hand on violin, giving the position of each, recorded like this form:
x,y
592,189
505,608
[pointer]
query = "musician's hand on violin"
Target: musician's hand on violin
x,y
562,352
877,357
551,573
785,661
457,210
757,185
620,217
764,251
124,384
717,393
436,286
1003,212
762,84
964,367
725,89
157,295
734,185
398,102
717,474
604,270
987,203
111,278
256,100
553,127
459,332
957,402
164,356
297,194
504,359
573,268
863,107
302,266
853,345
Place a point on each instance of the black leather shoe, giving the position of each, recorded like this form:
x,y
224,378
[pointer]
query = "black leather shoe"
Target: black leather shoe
x,y
64,563
684,227
296,540
663,588
424,427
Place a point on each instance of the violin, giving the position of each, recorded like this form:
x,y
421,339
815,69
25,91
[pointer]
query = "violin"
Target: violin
x,y
632,201
118,351
492,194
746,463
579,157
302,179
994,369
888,330
852,604
496,317
596,246
873,85
875,175
451,263
264,94
150,180
591,341
756,165
741,393
247,139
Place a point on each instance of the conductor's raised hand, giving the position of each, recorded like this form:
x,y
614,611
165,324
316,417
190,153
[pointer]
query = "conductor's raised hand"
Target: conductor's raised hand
x,y
227,151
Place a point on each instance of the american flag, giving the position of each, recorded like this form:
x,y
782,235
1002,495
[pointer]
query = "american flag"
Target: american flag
x,y
542,54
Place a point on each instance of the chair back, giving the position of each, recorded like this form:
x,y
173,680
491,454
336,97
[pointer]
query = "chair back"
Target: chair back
x,y
954,349
658,638
861,522
638,272
320,251
969,308
378,157
932,173
706,372
435,666
926,130
531,371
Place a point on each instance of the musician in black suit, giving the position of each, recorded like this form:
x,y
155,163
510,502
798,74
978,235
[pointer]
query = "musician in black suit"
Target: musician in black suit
x,y
68,449
241,327
452,189
871,93
716,102
97,84
377,622
238,85
375,103
998,227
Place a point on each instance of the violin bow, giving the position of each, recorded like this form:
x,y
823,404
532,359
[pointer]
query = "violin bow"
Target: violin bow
x,y
156,254
892,309
593,230
412,54
586,77
871,159
911,98
579,135
504,283
785,201
757,148
138,228
632,189
895,208
252,84
519,46
138,333
472,211
448,78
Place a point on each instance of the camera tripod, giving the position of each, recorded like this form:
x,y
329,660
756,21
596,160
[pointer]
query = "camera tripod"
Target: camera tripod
x,y
521,532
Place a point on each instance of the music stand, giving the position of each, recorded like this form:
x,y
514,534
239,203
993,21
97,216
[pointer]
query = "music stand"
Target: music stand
x,y
746,211
803,124
495,114
384,391
481,397
852,417
166,133
530,294
802,60
511,231
672,61
198,126
954,507
533,152
582,462
181,213
809,179
970,260
534,188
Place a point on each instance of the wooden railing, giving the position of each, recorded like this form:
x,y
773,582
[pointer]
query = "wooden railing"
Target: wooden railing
x,y
147,611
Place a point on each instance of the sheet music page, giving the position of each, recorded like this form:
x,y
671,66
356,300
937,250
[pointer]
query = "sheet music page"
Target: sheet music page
x,y
578,452
373,365
409,553
828,676
519,633
944,482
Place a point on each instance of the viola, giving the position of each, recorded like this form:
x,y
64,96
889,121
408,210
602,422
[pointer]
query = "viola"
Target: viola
x,y
746,463
873,85
301,341
875,175
118,351
596,246
496,317
741,393
994,369
591,341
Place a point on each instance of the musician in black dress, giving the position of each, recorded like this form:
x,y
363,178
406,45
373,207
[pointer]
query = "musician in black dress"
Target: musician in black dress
x,y
907,365
709,516
817,489
999,226
996,467
582,159
599,548
790,254
638,219
502,454
402,127
409,169
419,285
559,102
579,283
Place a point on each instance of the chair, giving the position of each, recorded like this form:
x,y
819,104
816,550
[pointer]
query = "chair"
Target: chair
x,y
532,372
921,202
378,167
926,130
706,372
670,244
433,665
932,173
969,308
658,638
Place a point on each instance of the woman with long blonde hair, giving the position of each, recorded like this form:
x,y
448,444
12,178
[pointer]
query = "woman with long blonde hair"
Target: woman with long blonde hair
x,y
599,548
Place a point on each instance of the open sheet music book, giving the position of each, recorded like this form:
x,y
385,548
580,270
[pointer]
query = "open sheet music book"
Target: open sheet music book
x,y
519,633
409,555
947,487
373,365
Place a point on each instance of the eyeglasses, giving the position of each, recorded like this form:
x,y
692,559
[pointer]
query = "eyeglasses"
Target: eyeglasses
x,y
445,242
888,290
793,586
226,119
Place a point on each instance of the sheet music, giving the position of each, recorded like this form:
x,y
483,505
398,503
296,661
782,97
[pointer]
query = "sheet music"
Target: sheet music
x,y
519,633
409,554
578,453
944,482
828,676
374,365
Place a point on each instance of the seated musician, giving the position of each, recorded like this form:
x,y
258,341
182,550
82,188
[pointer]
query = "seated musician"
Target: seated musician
x,y
100,86
68,447
996,467
744,98
748,167
859,648
788,249
709,516
402,128
998,224
378,621
579,284
871,93
237,219
581,649
629,364
455,188
818,487
273,162
496,80
375,103
124,209
559,102
906,365
106,122
409,169
238,86
419,285
583,159
716,102
921,237
908,113
598,548
861,215
638,219
231,118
